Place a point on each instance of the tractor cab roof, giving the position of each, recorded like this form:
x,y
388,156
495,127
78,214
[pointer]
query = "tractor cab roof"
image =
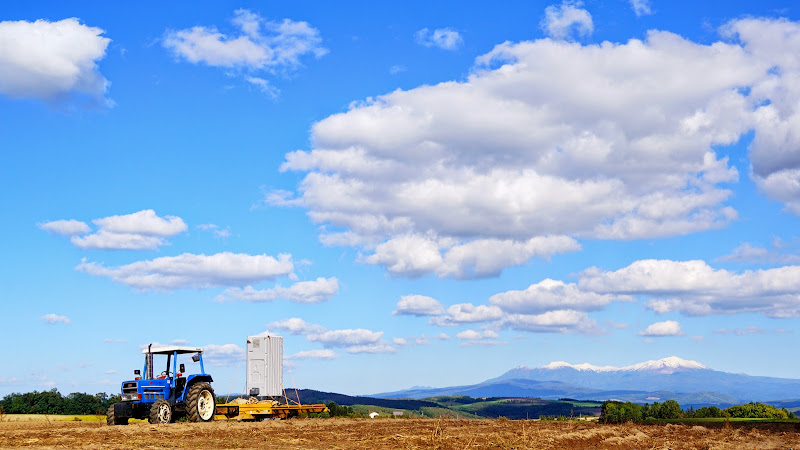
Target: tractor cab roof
x,y
168,350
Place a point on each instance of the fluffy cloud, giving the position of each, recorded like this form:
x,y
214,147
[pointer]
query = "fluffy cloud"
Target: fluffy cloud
x,y
555,140
194,271
358,340
316,291
695,288
379,347
661,329
775,150
223,355
467,313
296,325
52,319
52,60
778,253
70,227
104,240
314,354
143,230
741,331
257,46
413,256
219,233
346,338
641,7
444,38
418,305
144,222
475,335
561,21
559,321
548,295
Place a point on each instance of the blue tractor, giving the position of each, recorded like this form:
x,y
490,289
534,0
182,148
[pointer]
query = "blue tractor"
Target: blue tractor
x,y
170,394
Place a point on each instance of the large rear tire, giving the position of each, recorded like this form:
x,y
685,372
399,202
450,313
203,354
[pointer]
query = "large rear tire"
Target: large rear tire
x,y
160,412
111,419
200,403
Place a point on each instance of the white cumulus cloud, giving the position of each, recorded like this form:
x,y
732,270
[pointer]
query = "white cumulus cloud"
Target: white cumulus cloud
x,y
641,7
346,337
314,354
559,321
52,319
256,46
475,335
550,141
296,325
314,291
194,271
142,230
70,227
379,347
548,295
418,305
695,288
561,21
145,222
467,313
444,38
52,60
357,340
661,329
223,355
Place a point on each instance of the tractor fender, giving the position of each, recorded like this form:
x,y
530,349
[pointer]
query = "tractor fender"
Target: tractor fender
x,y
192,379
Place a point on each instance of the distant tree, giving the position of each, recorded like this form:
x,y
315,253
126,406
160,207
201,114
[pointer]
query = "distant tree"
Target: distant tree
x,y
52,402
336,410
670,410
757,410
618,412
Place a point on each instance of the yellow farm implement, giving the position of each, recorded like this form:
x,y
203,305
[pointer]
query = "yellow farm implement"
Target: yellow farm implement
x,y
264,410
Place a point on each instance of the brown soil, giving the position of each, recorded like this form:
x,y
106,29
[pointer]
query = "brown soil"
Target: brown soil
x,y
395,434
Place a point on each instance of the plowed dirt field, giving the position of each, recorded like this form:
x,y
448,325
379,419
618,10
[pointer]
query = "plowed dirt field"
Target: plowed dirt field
x,y
396,434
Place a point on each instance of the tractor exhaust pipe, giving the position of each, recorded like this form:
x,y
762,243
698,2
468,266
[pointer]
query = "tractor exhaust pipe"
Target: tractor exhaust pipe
x,y
149,363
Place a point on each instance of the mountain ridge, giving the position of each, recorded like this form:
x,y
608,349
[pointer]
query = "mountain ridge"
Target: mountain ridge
x,y
670,377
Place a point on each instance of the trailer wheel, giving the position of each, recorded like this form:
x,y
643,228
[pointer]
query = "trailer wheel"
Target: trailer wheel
x,y
112,420
160,412
200,403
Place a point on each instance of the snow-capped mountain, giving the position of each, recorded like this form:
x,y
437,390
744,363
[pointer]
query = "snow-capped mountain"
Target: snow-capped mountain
x,y
668,365
661,379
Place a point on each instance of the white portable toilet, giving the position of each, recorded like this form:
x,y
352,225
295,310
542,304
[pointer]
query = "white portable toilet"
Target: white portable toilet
x,y
264,366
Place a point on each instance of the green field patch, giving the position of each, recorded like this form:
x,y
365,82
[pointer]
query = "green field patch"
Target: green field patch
x,y
53,418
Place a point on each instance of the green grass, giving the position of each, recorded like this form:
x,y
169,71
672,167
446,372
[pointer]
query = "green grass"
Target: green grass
x,y
54,417
587,404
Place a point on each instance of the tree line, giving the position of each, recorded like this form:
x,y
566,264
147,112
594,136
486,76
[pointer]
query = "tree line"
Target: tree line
x,y
52,402
619,412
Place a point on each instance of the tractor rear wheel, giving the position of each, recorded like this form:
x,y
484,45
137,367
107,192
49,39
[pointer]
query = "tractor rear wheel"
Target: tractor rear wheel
x,y
200,403
160,412
112,420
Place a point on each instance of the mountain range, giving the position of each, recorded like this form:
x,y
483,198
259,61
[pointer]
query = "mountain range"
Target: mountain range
x,y
688,382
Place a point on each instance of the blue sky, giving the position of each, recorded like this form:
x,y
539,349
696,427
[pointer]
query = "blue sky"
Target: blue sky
x,y
429,194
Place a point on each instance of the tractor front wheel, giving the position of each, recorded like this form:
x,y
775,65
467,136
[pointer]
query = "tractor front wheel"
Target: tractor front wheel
x,y
111,419
200,403
160,412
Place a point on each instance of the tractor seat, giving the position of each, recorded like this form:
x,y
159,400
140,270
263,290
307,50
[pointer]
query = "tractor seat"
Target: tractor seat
x,y
180,382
